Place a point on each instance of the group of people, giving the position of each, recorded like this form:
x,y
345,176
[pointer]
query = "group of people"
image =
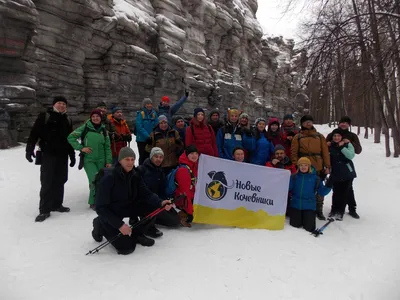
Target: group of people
x,y
169,146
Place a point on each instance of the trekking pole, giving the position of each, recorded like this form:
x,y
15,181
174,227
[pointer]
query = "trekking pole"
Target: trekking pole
x,y
134,226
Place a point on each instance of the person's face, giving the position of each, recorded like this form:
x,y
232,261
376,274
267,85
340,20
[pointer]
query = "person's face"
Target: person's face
x,y
157,159
164,103
163,125
337,138
215,117
60,106
103,109
288,122
194,156
96,119
261,126
238,155
344,126
118,114
233,117
274,127
200,116
127,163
307,124
304,168
280,155
180,124
149,106
244,121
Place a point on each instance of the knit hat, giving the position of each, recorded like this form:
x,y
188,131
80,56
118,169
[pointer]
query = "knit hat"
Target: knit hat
x,y
273,121
60,99
115,109
306,118
197,110
244,115
279,147
258,120
345,119
126,152
304,160
155,151
165,99
215,111
191,149
146,101
176,119
162,118
288,117
337,131
96,112
101,104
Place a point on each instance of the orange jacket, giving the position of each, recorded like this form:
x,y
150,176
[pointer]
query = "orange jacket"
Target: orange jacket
x,y
121,137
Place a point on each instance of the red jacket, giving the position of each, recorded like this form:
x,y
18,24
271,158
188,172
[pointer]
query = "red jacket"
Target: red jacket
x,y
122,134
203,138
286,164
186,181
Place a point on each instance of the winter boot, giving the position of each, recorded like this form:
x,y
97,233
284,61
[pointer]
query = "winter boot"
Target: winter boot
x,y
61,209
144,240
153,232
96,232
339,217
41,217
320,205
354,214
184,219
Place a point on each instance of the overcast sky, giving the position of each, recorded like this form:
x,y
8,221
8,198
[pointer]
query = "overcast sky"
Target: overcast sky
x,y
275,22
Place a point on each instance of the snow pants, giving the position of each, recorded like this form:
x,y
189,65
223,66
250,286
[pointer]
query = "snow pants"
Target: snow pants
x,y
143,154
351,202
168,218
53,176
91,169
341,195
302,218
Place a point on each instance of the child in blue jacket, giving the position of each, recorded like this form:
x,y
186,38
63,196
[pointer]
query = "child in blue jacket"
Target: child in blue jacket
x,y
304,185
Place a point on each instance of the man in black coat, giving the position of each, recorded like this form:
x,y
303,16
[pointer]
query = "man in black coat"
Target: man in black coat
x,y
348,137
122,193
51,129
155,179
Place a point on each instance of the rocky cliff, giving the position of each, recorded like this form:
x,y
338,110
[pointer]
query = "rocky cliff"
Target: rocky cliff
x,y
120,51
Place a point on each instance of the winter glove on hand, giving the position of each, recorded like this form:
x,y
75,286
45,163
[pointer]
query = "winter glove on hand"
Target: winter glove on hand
x,y
73,161
328,182
29,156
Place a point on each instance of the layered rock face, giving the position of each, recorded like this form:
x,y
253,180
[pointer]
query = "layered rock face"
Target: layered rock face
x,y
120,51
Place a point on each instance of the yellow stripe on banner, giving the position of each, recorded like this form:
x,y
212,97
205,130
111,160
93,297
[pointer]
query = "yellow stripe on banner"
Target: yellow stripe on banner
x,y
240,217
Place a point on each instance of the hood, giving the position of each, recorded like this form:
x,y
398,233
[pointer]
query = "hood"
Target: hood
x,y
273,121
90,125
183,159
214,111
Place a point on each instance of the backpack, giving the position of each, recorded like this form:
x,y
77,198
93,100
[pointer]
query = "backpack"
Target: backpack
x,y
100,174
171,184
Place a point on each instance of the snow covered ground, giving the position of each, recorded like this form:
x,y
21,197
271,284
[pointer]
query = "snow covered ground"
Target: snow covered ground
x,y
355,259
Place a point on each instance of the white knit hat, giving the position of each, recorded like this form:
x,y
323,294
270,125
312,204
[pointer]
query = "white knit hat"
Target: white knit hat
x,y
156,150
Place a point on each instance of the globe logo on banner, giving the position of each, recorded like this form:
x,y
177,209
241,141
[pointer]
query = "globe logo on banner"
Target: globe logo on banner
x,y
217,188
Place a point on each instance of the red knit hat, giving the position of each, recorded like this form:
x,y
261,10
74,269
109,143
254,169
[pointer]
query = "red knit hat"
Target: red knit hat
x,y
165,99
96,112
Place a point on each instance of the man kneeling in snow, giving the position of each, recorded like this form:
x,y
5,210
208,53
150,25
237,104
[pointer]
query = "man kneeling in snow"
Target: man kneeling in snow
x,y
122,193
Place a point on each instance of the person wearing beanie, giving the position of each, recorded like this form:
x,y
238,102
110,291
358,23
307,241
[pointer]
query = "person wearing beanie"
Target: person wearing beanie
x,y
169,111
342,174
288,131
105,118
200,134
244,120
50,130
94,147
179,124
146,120
239,154
186,178
232,135
348,138
281,161
304,185
123,193
264,149
168,139
122,134
214,120
274,133
312,144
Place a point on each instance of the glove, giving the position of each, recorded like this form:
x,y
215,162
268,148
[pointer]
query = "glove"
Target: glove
x,y
29,156
73,161
187,94
328,182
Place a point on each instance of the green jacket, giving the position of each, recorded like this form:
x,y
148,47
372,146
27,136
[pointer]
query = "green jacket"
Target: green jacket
x,y
95,139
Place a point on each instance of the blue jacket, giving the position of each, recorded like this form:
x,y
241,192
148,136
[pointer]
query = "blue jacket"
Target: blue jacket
x,y
303,188
169,111
145,122
119,194
229,137
263,152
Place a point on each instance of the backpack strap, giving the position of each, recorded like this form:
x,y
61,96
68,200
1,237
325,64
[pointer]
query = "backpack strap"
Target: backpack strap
x,y
83,135
299,136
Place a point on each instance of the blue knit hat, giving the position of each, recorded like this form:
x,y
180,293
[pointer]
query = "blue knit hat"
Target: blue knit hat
x,y
115,109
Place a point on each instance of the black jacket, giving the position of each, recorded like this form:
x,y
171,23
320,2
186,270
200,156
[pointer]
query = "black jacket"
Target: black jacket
x,y
51,133
119,194
351,136
154,177
342,167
